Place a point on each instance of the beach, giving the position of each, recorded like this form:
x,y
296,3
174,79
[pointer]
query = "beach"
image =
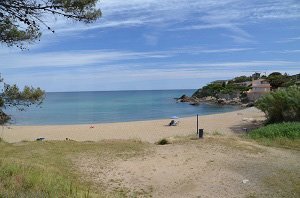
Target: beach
x,y
230,123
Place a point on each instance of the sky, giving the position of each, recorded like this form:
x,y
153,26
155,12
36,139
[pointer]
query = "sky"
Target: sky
x,y
153,45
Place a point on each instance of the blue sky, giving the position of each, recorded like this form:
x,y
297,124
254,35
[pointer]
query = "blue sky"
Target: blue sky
x,y
151,44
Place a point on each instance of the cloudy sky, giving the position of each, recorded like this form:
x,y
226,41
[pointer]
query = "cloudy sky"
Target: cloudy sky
x,y
152,44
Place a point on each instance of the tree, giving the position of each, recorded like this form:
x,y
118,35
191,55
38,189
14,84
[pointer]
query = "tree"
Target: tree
x,y
281,105
21,20
240,79
276,79
12,96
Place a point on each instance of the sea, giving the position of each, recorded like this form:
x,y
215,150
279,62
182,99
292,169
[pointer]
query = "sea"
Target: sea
x,y
63,108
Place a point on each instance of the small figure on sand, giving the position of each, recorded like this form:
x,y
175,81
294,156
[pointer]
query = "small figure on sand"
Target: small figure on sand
x,y
174,121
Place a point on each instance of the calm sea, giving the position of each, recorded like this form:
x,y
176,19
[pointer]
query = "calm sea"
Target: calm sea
x,y
111,106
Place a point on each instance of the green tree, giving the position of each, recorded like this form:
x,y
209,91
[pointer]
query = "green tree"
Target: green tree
x,y
12,97
276,79
281,105
21,20
240,79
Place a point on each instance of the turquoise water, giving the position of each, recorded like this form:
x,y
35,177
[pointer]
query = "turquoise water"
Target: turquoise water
x,y
111,106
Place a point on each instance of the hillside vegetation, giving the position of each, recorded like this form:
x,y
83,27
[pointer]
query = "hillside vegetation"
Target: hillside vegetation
x,y
237,86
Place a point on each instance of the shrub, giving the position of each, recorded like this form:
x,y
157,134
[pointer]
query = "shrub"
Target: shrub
x,y
290,130
163,142
281,105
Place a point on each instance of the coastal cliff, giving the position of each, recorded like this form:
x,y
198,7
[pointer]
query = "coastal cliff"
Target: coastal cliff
x,y
223,92
235,91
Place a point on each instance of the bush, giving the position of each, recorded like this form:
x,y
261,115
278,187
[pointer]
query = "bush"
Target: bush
x,y
162,142
282,105
290,130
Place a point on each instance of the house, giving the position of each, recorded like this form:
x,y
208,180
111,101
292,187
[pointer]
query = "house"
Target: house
x,y
259,88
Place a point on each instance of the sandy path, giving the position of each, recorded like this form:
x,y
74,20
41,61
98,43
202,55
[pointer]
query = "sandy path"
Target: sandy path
x,y
150,131
212,167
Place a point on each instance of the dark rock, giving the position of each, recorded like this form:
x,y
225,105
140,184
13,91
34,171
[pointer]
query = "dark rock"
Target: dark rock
x,y
184,98
221,101
250,104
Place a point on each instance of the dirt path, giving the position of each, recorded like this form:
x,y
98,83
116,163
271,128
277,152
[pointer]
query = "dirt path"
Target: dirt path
x,y
216,166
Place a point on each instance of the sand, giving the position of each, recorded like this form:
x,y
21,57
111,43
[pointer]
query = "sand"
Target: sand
x,y
216,166
150,131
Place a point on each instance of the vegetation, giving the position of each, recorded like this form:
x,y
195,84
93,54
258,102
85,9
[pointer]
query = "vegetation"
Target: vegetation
x,y
216,89
163,142
21,20
290,130
285,135
235,86
276,80
12,96
281,105
240,79
45,169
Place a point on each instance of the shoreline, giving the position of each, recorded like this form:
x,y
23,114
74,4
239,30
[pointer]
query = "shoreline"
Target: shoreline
x,y
149,131
143,120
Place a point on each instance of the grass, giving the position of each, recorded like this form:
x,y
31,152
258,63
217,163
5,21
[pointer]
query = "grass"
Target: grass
x,y
285,135
217,133
44,169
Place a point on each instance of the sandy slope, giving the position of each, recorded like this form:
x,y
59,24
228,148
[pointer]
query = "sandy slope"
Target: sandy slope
x,y
150,131
212,167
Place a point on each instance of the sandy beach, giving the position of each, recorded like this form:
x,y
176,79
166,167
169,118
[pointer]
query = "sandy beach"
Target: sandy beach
x,y
150,131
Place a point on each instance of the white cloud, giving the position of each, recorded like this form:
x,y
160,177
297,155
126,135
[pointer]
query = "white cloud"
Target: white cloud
x,y
189,14
288,40
142,75
91,57
283,51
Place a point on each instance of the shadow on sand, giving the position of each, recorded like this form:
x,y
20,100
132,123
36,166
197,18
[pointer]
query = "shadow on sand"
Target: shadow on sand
x,y
246,127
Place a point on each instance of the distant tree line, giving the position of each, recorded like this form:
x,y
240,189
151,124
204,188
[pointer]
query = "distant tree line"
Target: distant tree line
x,y
239,85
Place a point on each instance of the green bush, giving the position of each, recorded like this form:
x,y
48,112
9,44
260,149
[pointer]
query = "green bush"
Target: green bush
x,y
282,105
290,130
163,142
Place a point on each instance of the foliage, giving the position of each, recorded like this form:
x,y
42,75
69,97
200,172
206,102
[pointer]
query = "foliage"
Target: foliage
x,y
21,20
235,85
276,79
290,130
281,105
12,96
163,142
214,89
240,79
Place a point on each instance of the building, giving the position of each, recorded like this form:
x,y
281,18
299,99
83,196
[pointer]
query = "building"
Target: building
x,y
259,88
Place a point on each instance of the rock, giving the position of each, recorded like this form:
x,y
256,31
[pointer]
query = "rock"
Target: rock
x,y
244,105
221,101
249,120
210,98
184,98
250,104
245,181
